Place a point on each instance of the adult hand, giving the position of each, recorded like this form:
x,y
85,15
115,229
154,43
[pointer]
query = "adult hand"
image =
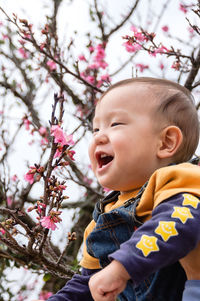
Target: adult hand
x,y
191,264
109,282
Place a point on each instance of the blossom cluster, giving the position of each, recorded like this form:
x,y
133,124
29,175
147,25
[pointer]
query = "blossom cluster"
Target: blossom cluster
x,y
50,220
55,197
34,170
92,72
138,41
142,40
63,142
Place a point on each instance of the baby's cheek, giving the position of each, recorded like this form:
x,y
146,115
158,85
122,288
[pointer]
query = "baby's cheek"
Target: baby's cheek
x,y
91,150
91,157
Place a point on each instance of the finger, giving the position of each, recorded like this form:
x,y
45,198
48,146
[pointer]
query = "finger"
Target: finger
x,y
104,297
110,296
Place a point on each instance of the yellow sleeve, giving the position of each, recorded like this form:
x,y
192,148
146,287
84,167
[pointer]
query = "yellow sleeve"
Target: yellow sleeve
x,y
89,262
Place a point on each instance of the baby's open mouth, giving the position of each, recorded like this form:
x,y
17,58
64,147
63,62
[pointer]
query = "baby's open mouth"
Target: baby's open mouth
x,y
103,159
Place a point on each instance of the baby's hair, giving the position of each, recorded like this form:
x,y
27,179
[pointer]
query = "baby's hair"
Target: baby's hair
x,y
177,105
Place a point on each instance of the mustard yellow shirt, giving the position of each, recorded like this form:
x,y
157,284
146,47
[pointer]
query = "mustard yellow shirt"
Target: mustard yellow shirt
x,y
164,183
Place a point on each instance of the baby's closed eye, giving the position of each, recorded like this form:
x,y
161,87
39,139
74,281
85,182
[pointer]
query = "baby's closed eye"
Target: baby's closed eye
x,y
95,130
117,123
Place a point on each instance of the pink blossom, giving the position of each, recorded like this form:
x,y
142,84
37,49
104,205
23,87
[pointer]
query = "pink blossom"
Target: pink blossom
x,y
71,154
99,57
161,66
9,201
2,231
102,64
29,176
5,36
26,123
132,47
44,295
87,180
93,66
70,140
26,35
50,221
160,50
42,130
42,46
14,178
183,8
57,153
23,52
52,65
89,78
40,207
99,84
21,297
61,187
176,66
30,209
91,49
142,67
82,58
165,28
44,141
191,31
139,36
104,78
22,42
133,28
60,137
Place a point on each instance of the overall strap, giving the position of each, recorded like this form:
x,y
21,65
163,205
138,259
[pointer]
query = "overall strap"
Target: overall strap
x,y
100,205
112,197
138,196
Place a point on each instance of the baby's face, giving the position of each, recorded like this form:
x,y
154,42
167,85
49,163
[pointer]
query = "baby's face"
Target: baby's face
x,y
125,140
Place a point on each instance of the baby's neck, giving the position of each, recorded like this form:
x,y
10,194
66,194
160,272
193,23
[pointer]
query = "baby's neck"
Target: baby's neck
x,y
124,193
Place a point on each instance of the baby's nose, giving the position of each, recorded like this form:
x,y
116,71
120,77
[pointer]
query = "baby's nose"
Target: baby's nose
x,y
101,138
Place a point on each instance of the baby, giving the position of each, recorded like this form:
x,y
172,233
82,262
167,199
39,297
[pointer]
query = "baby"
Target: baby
x,y
144,132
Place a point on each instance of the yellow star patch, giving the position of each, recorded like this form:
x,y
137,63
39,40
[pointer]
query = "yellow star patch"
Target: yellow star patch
x,y
166,230
183,213
190,200
147,244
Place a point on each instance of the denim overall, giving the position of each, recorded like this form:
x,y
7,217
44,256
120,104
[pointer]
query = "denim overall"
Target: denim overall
x,y
114,228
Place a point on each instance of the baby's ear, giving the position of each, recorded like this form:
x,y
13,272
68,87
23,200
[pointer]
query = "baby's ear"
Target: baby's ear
x,y
170,140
